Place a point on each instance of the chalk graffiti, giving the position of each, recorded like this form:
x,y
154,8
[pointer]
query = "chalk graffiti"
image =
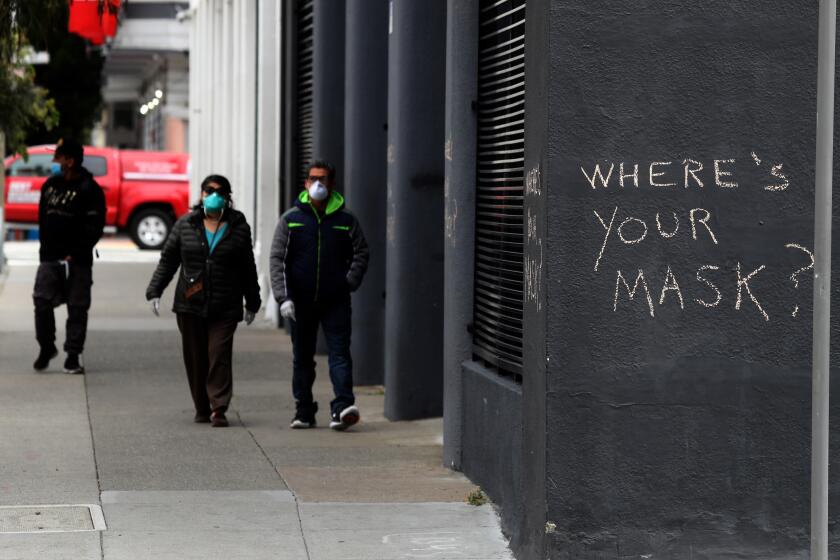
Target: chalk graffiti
x,y
640,279
794,277
689,173
638,228
533,264
670,283
707,282
745,284
668,235
533,186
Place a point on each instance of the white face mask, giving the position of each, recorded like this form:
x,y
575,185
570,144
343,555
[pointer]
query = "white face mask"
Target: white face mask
x,y
318,191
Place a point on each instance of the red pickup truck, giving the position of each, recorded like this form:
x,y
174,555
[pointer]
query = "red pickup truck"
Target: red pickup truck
x,y
144,191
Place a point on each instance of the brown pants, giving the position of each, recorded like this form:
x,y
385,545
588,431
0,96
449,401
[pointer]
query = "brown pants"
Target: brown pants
x,y
208,357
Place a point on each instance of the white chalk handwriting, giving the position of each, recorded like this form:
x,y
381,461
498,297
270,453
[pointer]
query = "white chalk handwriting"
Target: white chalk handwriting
x,y
688,174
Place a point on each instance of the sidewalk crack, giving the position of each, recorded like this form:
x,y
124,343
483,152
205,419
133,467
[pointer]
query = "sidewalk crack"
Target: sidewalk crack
x,y
282,479
95,466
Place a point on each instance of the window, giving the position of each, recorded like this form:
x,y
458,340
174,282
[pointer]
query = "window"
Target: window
x,y
97,165
37,166
499,257
124,115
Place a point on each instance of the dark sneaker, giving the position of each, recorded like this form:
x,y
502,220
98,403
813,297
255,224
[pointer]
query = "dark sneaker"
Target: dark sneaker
x,y
218,419
44,357
74,364
304,416
302,422
201,418
346,418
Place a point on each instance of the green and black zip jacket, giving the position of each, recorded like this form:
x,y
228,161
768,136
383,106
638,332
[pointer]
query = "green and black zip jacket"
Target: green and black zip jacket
x,y
317,257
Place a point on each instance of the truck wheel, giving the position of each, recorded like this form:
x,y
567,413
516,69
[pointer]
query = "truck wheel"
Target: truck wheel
x,y
149,228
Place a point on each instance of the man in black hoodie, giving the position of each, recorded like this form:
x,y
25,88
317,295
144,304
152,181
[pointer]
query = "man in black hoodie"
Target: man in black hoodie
x,y
71,217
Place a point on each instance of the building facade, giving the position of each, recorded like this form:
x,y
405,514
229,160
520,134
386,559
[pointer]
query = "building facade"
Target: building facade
x,y
146,79
235,109
591,230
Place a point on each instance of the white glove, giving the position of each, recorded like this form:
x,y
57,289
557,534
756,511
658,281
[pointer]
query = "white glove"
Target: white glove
x,y
156,306
249,317
287,310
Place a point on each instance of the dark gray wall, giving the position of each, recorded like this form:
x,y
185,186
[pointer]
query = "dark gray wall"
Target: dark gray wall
x,y
365,173
530,540
678,425
414,268
328,95
328,84
459,186
492,441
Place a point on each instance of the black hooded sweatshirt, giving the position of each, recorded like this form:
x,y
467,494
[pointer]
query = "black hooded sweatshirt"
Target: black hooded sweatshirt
x,y
71,217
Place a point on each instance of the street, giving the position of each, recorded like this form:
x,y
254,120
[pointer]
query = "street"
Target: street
x,y
122,437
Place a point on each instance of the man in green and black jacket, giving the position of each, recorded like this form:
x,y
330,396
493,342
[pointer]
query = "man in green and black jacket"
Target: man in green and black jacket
x,y
318,257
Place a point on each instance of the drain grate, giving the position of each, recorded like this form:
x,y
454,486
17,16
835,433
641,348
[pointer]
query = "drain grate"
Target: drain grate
x,y
51,519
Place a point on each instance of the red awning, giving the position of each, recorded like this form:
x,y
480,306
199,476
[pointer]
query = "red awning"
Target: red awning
x,y
86,19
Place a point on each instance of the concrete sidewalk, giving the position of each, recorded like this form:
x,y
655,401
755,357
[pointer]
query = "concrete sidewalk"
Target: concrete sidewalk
x,y
122,437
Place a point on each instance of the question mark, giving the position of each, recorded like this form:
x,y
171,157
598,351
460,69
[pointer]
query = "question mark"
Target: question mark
x,y
795,275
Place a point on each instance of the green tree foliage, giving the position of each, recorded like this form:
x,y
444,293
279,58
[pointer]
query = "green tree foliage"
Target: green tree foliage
x,y
23,105
74,79
30,101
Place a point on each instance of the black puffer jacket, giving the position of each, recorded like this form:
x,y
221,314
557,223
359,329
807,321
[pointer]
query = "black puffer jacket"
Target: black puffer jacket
x,y
209,285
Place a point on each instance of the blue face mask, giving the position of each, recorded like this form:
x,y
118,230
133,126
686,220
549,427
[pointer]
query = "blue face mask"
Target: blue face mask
x,y
55,168
214,202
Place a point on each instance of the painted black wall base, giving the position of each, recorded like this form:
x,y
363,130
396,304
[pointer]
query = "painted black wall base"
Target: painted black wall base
x,y
493,440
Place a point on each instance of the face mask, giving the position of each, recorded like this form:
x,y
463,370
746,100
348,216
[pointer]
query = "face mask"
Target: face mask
x,y
214,202
55,168
318,192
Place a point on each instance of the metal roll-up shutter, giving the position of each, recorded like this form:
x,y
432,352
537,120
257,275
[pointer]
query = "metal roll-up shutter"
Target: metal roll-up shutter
x,y
304,86
499,274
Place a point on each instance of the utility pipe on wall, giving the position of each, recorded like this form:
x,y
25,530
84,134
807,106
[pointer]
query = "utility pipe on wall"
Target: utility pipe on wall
x,y
822,280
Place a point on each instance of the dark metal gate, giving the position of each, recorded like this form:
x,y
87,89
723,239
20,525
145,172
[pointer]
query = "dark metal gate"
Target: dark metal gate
x,y
305,17
499,270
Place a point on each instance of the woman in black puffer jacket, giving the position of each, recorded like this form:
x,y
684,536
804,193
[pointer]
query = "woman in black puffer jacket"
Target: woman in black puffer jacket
x,y
212,247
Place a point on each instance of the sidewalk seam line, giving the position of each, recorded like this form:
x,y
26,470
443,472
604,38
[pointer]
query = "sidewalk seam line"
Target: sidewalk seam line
x,y
95,465
282,479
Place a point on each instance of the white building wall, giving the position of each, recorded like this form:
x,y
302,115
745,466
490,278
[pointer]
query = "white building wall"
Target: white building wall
x,y
235,110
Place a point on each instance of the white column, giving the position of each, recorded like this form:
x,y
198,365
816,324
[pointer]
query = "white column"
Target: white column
x,y
195,80
247,108
269,99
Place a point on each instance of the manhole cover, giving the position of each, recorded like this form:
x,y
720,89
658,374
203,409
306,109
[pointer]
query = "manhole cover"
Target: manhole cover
x,y
51,519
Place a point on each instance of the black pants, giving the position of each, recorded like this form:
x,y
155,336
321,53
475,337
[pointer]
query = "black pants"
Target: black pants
x,y
335,318
208,357
56,284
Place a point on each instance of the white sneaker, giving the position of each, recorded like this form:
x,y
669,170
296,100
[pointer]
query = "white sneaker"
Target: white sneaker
x,y
302,424
348,417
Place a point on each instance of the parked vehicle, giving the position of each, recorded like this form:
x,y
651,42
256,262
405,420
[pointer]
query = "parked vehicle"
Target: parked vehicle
x,y
144,191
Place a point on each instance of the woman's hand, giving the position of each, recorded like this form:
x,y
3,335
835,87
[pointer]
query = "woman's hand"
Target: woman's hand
x,y
155,306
